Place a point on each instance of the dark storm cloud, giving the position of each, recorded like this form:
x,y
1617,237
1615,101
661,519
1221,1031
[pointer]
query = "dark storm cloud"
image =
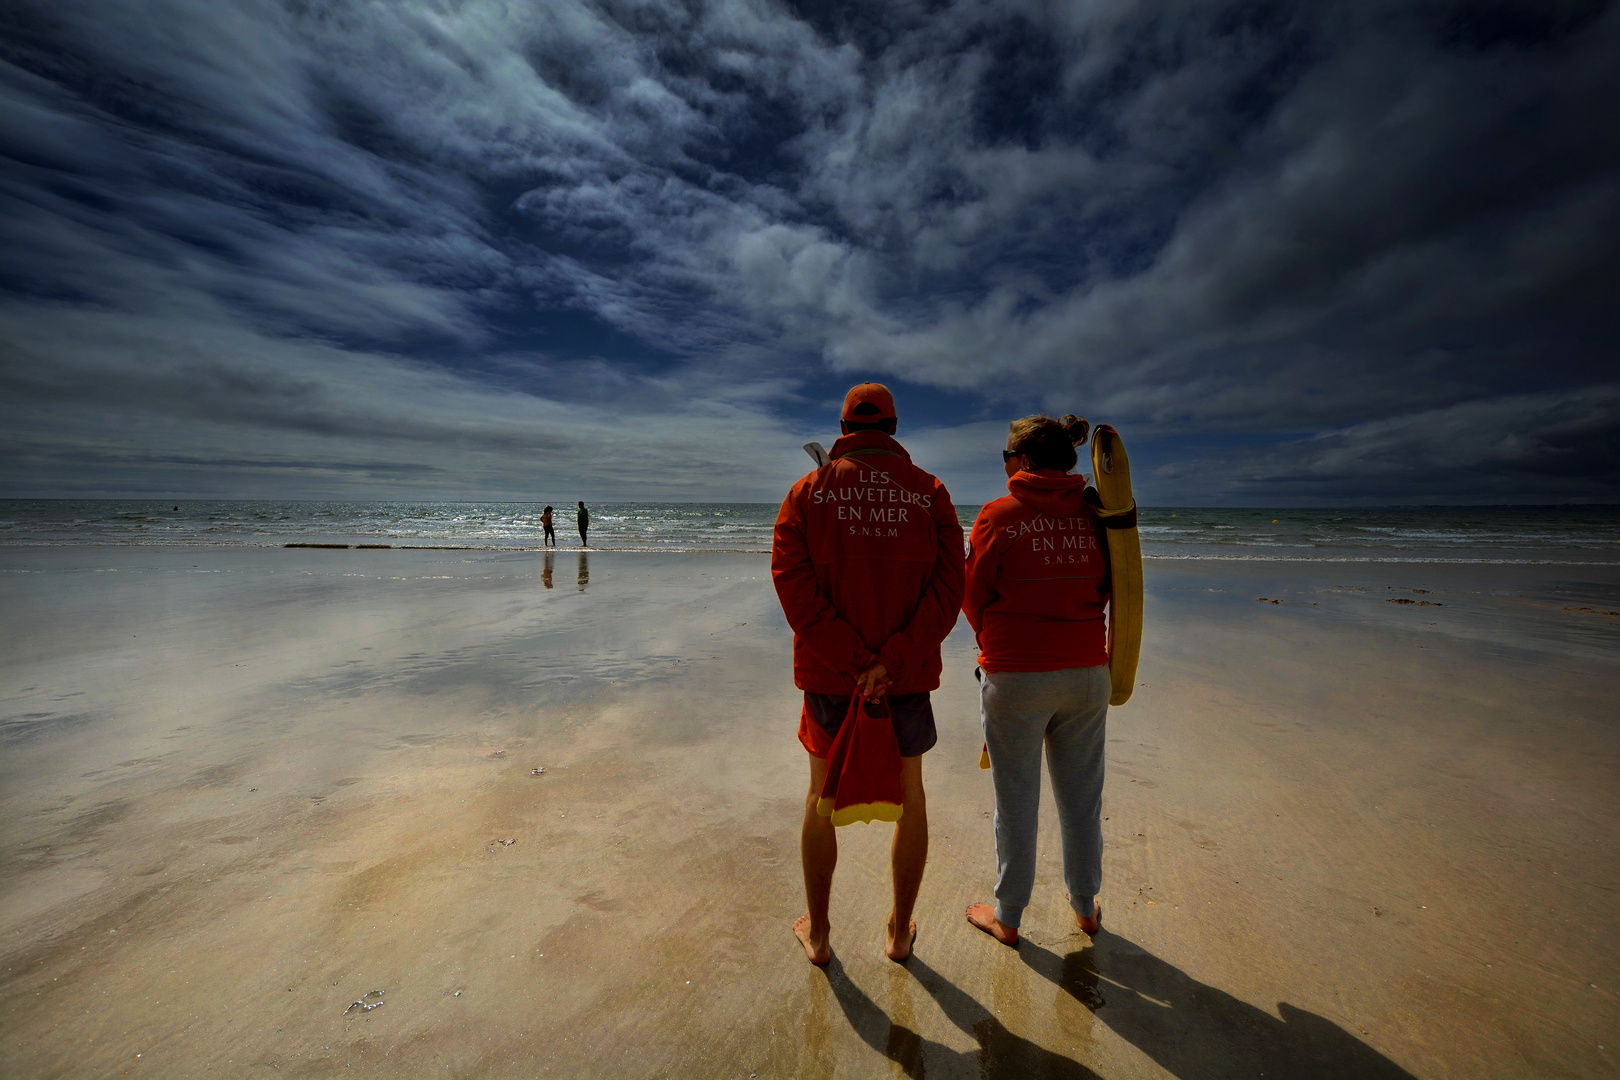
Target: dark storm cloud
x,y
1368,245
1516,448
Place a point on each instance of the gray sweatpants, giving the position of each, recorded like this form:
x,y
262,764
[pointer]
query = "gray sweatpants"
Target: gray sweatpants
x,y
1066,711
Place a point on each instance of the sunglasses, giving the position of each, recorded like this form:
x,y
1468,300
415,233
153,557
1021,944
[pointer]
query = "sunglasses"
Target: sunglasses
x,y
1008,455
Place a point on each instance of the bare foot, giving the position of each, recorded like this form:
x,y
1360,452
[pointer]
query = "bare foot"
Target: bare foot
x,y
1093,924
818,951
894,950
984,917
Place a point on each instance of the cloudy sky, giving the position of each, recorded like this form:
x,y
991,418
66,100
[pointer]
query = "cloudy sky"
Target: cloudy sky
x,y
1307,253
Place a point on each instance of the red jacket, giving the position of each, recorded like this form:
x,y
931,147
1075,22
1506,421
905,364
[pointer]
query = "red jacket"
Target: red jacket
x,y
867,561
1037,572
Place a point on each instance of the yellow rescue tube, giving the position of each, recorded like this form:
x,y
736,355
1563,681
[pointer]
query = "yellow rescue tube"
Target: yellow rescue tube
x,y
1111,472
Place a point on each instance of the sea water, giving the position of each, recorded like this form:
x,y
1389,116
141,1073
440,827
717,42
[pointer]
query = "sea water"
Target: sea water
x,y
1584,535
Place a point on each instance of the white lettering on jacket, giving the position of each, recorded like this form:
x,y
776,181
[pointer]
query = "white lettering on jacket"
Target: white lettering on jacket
x,y
871,495
1068,543
1045,525
872,513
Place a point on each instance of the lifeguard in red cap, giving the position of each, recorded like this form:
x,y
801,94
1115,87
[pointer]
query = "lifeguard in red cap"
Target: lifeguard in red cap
x,y
867,559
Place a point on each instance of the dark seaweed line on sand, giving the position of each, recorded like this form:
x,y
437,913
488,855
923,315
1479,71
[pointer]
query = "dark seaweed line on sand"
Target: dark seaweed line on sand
x,y
402,547
589,551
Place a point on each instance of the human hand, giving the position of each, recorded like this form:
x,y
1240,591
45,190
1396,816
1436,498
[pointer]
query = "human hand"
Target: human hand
x,y
873,683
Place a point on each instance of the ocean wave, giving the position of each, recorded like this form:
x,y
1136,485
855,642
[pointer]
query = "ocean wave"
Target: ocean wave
x,y
1499,534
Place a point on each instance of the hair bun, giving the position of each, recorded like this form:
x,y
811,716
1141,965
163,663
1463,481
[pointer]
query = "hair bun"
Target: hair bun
x,y
1075,427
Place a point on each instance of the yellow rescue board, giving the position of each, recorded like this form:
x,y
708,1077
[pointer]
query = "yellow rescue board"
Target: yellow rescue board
x,y
1111,474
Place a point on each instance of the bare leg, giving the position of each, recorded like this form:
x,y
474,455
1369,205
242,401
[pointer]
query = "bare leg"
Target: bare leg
x,y
908,857
818,849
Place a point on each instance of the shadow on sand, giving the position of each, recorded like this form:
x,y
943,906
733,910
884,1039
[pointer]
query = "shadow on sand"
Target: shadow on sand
x,y
1190,1029
1001,1053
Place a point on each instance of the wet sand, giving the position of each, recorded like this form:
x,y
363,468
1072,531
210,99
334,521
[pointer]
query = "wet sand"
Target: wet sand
x,y
240,789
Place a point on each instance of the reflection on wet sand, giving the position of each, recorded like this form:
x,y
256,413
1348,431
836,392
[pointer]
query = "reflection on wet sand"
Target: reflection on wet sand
x,y
818,1058
1187,1027
545,570
904,1044
209,790
584,571
1000,1054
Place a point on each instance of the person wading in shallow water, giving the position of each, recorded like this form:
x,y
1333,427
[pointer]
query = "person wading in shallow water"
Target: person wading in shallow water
x,y
1037,576
545,523
867,562
584,518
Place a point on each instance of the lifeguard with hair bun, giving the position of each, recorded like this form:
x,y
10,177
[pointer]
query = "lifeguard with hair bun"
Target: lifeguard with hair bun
x,y
1044,563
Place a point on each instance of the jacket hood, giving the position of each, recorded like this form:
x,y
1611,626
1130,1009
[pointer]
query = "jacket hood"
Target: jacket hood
x,y
870,442
1054,496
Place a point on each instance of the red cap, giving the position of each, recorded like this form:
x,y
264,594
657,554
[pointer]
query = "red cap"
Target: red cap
x,y
868,402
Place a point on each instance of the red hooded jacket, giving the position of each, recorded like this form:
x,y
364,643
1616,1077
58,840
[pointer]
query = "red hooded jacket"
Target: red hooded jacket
x,y
1037,574
867,561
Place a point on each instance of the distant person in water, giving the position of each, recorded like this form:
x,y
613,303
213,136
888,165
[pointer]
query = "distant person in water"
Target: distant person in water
x,y
584,525
1037,576
867,561
551,532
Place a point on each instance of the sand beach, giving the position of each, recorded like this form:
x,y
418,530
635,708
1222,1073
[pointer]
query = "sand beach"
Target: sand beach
x,y
241,789
400,402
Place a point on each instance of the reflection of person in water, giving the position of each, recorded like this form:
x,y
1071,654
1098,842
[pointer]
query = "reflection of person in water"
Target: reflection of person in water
x,y
584,524
551,532
584,571
545,571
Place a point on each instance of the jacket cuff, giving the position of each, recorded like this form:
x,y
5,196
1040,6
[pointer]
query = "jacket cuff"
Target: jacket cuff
x,y
892,661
